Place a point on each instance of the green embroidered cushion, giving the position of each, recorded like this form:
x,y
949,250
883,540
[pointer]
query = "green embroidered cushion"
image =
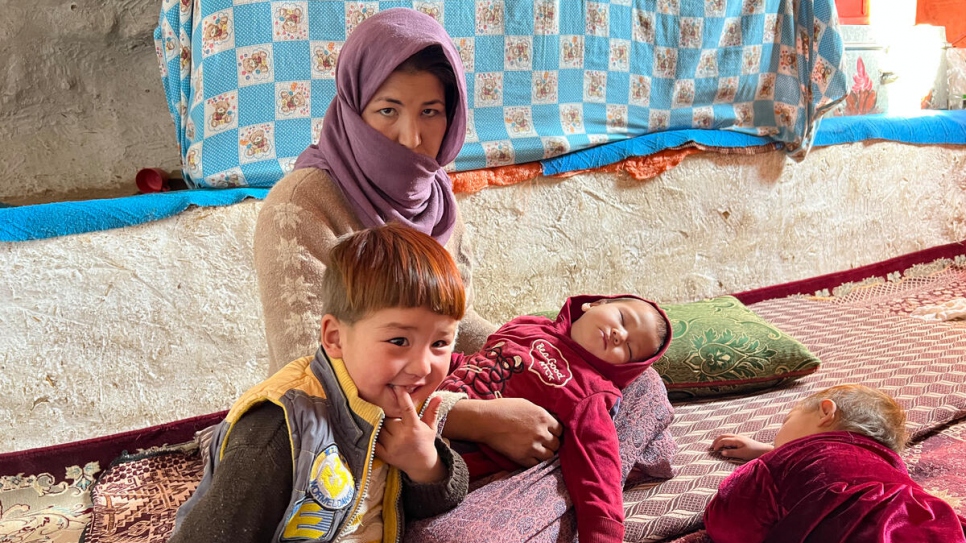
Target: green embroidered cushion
x,y
719,346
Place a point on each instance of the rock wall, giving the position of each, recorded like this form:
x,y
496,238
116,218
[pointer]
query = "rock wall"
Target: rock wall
x,y
82,108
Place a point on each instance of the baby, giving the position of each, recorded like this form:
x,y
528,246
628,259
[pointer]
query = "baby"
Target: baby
x,y
833,475
574,367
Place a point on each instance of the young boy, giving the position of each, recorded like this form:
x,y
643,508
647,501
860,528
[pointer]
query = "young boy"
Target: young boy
x,y
574,367
833,475
332,447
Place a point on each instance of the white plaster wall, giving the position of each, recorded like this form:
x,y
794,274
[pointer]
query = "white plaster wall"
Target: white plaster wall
x,y
715,224
122,329
82,108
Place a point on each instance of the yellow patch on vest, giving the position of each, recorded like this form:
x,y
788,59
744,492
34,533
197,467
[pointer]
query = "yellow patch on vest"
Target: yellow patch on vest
x,y
308,521
330,481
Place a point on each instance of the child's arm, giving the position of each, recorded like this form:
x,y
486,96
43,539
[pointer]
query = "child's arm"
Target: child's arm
x,y
739,447
428,500
745,508
591,466
251,488
409,442
435,479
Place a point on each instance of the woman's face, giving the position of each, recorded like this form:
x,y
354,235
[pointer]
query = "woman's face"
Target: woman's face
x,y
410,109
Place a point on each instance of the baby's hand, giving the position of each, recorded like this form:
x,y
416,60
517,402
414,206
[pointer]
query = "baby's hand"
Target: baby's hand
x,y
409,442
740,447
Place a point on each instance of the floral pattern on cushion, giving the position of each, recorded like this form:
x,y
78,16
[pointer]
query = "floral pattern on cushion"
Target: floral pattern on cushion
x,y
719,346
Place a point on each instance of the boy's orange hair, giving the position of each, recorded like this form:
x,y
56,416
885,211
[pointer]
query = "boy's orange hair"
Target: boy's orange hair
x,y
390,266
865,411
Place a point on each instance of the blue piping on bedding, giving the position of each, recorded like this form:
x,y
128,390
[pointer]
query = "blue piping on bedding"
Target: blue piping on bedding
x,y
928,127
23,223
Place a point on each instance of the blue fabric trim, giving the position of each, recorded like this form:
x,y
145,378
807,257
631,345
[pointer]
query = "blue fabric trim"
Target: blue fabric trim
x,y
41,221
645,145
26,223
928,127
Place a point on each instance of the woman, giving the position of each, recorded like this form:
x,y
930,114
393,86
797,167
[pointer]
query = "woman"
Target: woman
x,y
398,116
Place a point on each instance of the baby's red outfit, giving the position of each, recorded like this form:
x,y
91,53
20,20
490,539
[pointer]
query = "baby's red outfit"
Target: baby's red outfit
x,y
535,358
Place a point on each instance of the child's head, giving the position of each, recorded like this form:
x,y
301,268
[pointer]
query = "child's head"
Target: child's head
x,y
620,330
853,408
393,298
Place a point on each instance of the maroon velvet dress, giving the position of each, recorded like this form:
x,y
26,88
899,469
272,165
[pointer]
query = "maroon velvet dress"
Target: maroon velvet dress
x,y
830,487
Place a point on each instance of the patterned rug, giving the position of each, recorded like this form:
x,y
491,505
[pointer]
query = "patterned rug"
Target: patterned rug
x,y
136,499
45,494
39,508
862,330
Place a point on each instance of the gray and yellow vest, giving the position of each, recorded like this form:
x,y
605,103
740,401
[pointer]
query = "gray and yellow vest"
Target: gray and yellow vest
x,y
333,435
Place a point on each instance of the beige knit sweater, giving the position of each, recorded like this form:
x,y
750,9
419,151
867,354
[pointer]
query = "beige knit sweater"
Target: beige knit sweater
x,y
300,221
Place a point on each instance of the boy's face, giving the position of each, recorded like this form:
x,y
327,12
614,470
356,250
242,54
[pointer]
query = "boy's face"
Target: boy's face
x,y
617,332
393,351
798,423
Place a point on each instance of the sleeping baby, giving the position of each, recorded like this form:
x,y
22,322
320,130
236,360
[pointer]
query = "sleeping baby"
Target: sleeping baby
x,y
574,367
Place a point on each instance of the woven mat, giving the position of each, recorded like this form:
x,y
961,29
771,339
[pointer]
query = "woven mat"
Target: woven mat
x,y
136,499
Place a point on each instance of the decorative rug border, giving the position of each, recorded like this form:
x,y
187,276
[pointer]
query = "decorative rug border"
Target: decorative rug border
x,y
891,269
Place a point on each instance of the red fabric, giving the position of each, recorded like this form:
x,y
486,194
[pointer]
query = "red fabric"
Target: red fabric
x,y
534,358
103,449
813,284
829,487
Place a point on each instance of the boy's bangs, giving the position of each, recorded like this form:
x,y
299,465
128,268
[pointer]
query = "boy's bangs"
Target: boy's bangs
x,y
400,267
415,282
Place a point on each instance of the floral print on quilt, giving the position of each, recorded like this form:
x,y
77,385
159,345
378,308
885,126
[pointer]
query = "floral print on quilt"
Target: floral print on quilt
x,y
45,507
248,82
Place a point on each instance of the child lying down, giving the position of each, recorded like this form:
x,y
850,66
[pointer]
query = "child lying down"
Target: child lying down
x,y
833,475
574,367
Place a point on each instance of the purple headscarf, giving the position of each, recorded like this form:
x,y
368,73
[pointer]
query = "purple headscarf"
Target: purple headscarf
x,y
383,180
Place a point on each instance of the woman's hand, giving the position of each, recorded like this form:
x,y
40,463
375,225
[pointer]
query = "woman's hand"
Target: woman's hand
x,y
516,428
739,447
409,442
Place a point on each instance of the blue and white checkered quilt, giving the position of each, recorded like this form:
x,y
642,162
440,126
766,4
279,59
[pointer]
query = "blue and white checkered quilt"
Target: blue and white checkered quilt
x,y
248,81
